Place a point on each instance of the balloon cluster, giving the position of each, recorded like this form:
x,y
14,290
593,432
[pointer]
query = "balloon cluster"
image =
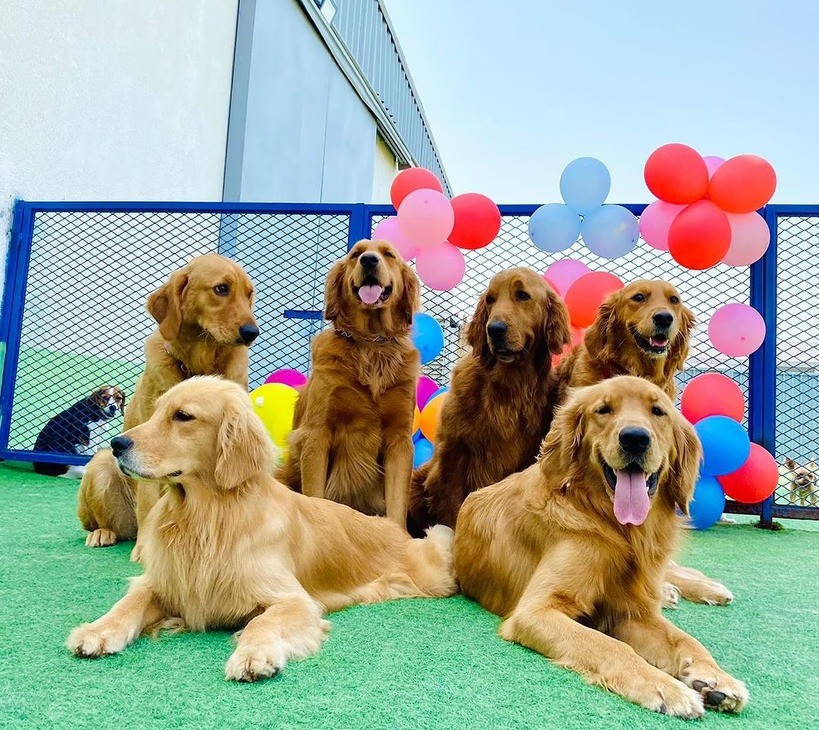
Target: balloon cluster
x,y
429,399
432,229
731,465
609,231
706,212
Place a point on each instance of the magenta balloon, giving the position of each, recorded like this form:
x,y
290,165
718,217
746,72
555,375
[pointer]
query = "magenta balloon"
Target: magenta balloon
x,y
287,376
750,238
565,272
441,266
425,387
426,217
389,230
712,163
655,222
736,329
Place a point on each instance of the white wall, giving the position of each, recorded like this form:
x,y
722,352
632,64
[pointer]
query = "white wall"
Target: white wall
x,y
385,169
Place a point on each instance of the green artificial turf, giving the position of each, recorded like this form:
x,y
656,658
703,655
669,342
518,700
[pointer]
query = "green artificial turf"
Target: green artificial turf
x,y
405,664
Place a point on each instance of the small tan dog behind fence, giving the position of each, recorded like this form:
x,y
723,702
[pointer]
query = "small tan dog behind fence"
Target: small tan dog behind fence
x,y
228,546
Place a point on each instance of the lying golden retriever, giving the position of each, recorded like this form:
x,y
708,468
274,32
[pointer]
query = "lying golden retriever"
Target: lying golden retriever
x,y
205,324
228,546
352,437
571,552
493,419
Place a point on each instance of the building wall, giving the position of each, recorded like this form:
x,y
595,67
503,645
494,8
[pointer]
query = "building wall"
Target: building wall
x,y
385,168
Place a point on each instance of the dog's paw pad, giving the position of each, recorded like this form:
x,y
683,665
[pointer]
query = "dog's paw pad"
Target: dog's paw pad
x,y
87,642
250,665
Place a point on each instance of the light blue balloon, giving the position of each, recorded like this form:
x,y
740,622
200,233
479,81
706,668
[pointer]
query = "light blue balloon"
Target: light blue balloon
x,y
585,184
707,504
554,227
610,231
423,452
427,336
725,445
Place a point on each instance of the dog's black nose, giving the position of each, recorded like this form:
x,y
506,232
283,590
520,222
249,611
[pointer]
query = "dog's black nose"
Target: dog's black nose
x,y
368,261
663,320
635,440
248,333
120,444
497,330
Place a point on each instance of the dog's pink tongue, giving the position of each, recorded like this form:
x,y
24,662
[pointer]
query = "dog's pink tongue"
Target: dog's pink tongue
x,y
631,503
370,294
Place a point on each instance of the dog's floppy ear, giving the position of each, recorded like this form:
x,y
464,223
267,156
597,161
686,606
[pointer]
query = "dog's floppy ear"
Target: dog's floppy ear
x,y
790,463
333,293
555,333
411,299
476,333
559,452
598,337
685,466
243,448
165,305
678,352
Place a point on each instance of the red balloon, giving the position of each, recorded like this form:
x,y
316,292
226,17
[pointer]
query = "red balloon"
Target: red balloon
x,y
577,338
755,480
712,394
477,221
410,180
587,294
700,236
677,174
743,184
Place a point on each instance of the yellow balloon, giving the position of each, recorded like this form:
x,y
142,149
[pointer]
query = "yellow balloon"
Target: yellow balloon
x,y
275,404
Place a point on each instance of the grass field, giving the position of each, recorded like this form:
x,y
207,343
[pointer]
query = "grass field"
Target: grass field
x,y
405,664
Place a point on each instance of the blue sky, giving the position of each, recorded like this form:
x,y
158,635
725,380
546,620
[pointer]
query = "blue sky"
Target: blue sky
x,y
515,90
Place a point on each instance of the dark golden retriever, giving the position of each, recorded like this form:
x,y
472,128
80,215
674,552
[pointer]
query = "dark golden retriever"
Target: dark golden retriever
x,y
492,422
571,552
205,324
227,546
352,437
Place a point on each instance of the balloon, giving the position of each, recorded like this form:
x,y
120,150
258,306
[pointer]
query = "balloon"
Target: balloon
x,y
712,164
750,237
440,267
707,504
699,237
655,222
725,445
477,221
755,480
409,180
577,335
677,174
743,184
554,227
442,389
416,420
287,376
275,404
587,294
712,394
424,389
563,273
422,453
389,230
426,217
736,329
431,416
427,336
585,184
610,231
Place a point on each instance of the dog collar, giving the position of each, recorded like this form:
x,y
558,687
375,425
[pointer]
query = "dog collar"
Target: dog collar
x,y
348,336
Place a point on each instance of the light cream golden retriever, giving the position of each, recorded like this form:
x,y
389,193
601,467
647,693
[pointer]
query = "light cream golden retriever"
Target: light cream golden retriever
x,y
227,546
571,552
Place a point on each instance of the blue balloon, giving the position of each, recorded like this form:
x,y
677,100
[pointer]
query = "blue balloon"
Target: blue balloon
x,y
725,445
610,231
585,184
423,452
427,336
707,504
554,227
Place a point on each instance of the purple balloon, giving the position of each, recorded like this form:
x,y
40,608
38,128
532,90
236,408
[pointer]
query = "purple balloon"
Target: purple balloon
x,y
424,389
713,163
563,273
287,376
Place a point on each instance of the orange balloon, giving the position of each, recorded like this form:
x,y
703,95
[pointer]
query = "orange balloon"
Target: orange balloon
x,y
416,420
586,295
677,174
743,184
700,236
577,338
431,417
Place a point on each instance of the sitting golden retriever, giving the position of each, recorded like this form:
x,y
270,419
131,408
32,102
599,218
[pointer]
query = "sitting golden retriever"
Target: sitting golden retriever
x,y
571,552
227,546
493,419
205,324
352,437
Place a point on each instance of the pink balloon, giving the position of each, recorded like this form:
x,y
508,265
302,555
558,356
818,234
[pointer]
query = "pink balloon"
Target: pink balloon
x,y
426,217
389,230
424,388
736,329
655,222
713,163
287,376
563,273
750,238
441,266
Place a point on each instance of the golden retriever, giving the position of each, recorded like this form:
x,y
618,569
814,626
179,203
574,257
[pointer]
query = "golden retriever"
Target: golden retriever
x,y
352,437
571,552
493,419
228,546
205,324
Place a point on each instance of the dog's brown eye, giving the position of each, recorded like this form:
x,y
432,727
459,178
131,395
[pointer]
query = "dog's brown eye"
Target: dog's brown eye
x,y
638,298
182,416
674,300
221,290
657,411
355,254
603,410
522,296
490,300
389,255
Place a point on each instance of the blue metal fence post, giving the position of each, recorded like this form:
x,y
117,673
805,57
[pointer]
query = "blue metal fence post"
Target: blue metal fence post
x,y
359,225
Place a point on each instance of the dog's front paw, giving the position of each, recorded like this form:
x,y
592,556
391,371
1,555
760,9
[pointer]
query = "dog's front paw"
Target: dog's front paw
x,y
673,698
670,595
136,553
719,691
89,642
101,538
250,663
